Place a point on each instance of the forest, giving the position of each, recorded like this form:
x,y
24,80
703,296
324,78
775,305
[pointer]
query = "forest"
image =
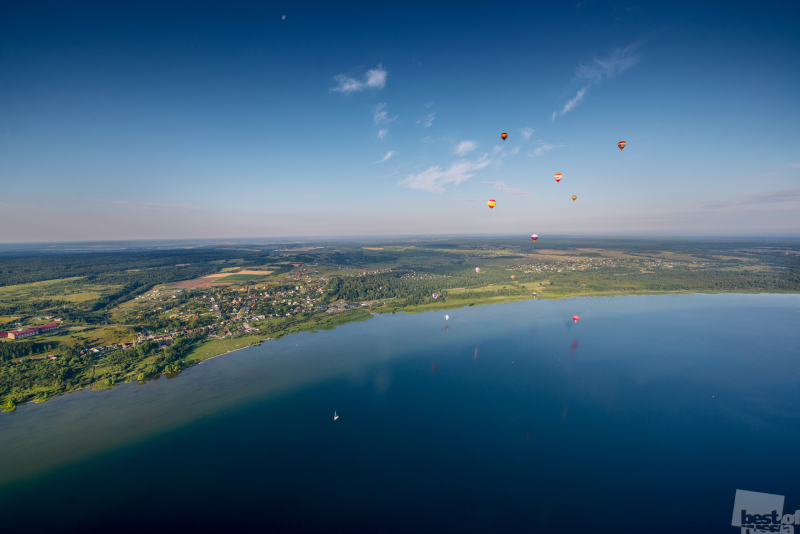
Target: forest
x,y
321,286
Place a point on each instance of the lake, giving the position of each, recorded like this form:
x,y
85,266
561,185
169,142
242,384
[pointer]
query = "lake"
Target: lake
x,y
644,416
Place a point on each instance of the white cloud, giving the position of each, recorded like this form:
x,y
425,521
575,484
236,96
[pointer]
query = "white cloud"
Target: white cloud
x,y
526,133
617,62
381,115
795,164
373,79
574,102
434,179
376,78
514,150
501,186
387,156
152,206
543,149
427,120
465,147
787,195
428,104
599,69
382,133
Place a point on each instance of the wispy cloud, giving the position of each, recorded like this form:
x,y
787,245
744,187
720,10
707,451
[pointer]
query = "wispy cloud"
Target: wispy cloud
x,y
574,102
526,133
465,147
543,149
795,164
381,115
514,151
382,133
152,206
434,179
373,79
773,197
600,69
428,104
616,63
501,186
387,156
427,120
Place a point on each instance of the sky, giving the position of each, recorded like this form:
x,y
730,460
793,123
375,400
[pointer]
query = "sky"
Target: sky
x,y
159,120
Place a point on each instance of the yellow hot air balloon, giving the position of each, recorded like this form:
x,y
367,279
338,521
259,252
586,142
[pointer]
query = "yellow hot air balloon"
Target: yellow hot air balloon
x,y
558,177
574,197
492,203
503,136
621,144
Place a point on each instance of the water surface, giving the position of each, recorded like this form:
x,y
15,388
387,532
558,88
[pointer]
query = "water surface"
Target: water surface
x,y
646,415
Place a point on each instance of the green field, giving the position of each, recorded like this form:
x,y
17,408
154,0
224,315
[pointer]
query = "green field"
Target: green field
x,y
95,294
239,278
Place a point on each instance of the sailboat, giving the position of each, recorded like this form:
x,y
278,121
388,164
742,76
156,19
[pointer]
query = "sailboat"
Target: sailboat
x,y
335,417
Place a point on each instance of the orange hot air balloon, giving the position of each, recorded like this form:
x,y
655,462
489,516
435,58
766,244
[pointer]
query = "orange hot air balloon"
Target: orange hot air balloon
x,y
558,177
574,197
492,203
621,144
503,136
513,276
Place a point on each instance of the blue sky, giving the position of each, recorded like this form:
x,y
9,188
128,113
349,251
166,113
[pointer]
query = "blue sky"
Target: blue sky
x,y
220,120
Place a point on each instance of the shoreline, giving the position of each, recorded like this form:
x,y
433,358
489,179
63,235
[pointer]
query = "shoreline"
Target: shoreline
x,y
429,308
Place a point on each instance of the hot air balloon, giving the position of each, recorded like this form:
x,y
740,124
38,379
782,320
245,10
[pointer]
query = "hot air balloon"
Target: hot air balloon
x,y
477,269
621,144
574,197
513,276
558,177
575,318
435,296
446,317
492,203
503,136
534,237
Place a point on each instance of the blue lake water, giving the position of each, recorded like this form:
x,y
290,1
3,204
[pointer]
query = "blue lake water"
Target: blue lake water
x,y
645,416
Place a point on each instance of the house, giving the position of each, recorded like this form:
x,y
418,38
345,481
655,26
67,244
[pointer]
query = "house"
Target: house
x,y
30,332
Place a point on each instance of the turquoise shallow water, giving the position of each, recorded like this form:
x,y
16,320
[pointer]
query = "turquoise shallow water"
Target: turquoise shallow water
x,y
646,415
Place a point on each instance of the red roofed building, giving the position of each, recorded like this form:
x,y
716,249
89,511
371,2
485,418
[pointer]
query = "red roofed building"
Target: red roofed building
x,y
30,332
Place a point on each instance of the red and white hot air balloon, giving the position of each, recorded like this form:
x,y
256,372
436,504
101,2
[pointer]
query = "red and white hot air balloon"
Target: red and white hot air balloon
x,y
558,177
534,237
575,318
621,144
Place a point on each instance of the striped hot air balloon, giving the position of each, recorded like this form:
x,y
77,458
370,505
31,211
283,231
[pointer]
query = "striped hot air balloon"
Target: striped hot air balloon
x,y
492,203
558,177
534,237
621,144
